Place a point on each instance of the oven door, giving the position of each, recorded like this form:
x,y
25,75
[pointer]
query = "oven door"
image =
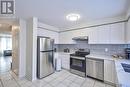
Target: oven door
x,y
78,63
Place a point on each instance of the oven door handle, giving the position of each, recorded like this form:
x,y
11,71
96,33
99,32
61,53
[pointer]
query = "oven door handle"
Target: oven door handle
x,y
80,58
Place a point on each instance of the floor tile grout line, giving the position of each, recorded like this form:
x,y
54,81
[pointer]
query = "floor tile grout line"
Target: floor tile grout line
x,y
71,82
60,81
66,78
51,81
94,83
15,80
1,83
82,83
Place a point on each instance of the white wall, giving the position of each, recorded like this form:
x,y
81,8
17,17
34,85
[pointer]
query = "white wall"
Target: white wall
x,y
15,50
31,48
5,30
19,48
22,48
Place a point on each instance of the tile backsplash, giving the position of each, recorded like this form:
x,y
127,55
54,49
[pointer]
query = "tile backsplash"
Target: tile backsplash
x,y
105,49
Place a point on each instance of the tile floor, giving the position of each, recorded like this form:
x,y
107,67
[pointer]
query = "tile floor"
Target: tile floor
x,y
5,64
58,79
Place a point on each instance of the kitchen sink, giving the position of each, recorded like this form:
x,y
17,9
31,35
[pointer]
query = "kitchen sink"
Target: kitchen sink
x,y
126,67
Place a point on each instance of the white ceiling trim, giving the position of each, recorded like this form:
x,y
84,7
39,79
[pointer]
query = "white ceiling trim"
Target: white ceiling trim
x,y
46,26
90,23
98,22
53,12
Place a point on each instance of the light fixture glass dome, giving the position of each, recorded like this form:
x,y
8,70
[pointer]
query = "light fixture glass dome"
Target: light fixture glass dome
x,y
73,17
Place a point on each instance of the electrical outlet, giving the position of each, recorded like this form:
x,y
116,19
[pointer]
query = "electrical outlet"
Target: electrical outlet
x,y
106,49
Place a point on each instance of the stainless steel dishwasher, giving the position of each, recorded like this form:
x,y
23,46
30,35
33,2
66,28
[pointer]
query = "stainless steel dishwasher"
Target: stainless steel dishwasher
x,y
95,68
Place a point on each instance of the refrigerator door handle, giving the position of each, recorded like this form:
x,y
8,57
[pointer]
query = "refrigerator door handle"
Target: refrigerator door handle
x,y
47,51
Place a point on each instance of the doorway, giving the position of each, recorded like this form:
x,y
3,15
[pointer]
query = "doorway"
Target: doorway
x,y
5,52
8,47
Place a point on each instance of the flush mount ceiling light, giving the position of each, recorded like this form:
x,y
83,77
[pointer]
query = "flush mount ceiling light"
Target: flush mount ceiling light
x,y
73,17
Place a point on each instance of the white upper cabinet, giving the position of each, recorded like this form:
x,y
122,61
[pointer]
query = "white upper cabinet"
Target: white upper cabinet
x,y
48,33
117,33
85,32
100,35
93,36
108,34
104,34
128,32
66,37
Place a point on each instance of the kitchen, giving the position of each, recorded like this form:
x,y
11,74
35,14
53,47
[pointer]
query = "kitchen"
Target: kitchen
x,y
89,46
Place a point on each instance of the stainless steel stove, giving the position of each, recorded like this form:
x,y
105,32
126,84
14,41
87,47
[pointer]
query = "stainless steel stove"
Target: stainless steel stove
x,y
78,63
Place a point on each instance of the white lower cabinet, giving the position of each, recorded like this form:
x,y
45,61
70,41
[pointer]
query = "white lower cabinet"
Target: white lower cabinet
x,y
65,60
109,72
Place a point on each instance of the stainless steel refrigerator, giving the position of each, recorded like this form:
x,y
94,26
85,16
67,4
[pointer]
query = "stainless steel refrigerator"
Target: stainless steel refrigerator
x,y
45,65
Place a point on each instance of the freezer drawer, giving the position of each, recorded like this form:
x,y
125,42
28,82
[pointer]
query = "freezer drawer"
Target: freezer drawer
x,y
45,44
45,64
95,68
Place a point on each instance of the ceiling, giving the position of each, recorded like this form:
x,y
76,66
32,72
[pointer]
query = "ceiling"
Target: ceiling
x,y
53,12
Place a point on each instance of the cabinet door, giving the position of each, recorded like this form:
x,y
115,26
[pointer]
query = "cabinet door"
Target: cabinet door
x,y
103,34
117,33
93,36
66,37
90,68
65,60
128,32
85,31
109,71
